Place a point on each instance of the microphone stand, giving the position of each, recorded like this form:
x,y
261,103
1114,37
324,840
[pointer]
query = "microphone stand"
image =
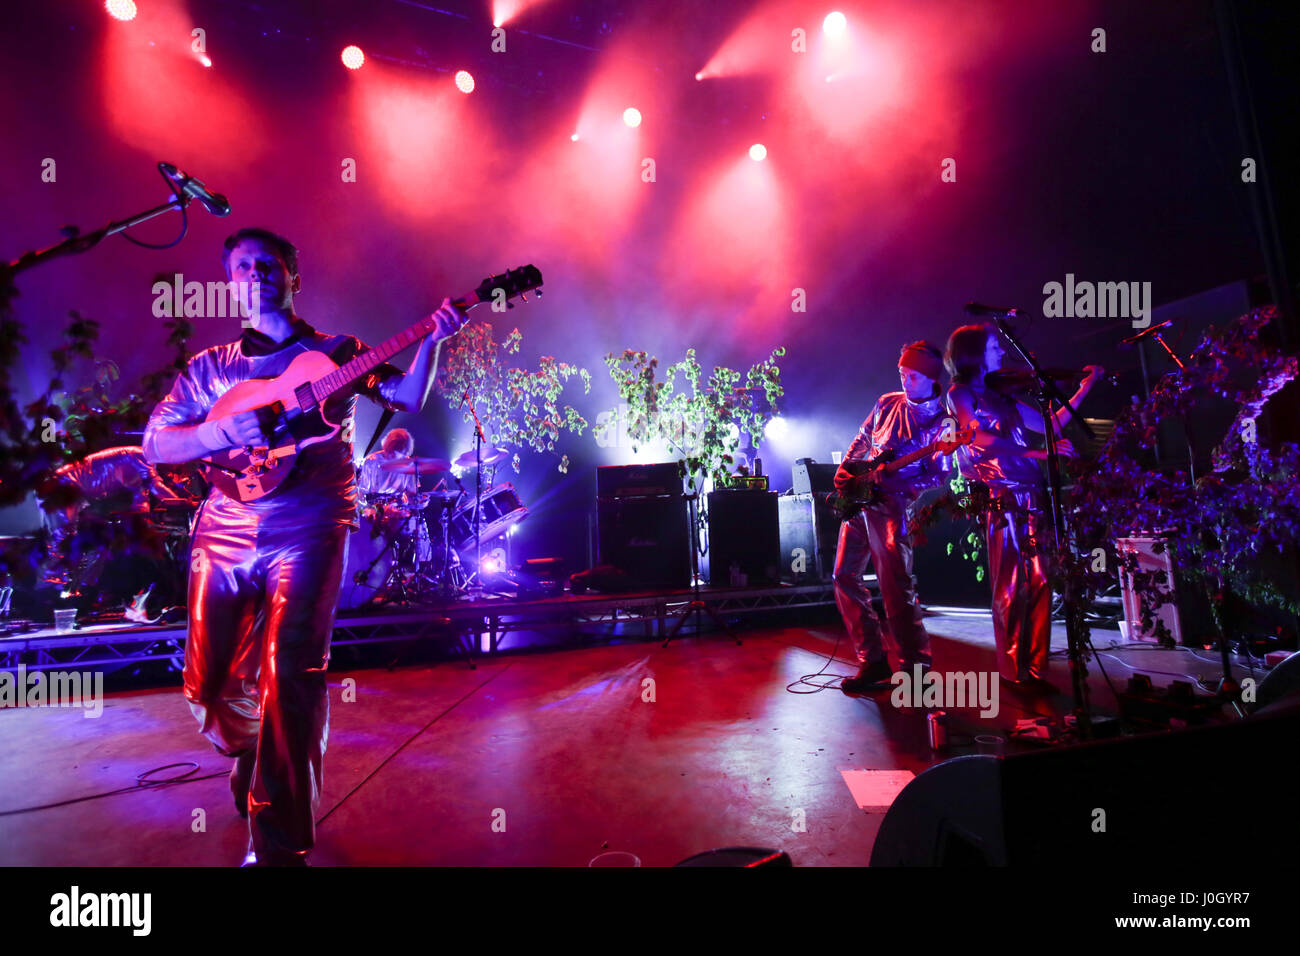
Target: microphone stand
x,y
1229,688
478,489
76,242
1046,392
697,603
1187,436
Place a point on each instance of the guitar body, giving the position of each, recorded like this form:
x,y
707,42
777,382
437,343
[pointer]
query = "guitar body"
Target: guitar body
x,y
290,416
864,489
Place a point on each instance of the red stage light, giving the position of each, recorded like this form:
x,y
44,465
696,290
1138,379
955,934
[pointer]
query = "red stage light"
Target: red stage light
x,y
632,116
203,58
835,24
758,152
503,11
464,81
121,9
353,57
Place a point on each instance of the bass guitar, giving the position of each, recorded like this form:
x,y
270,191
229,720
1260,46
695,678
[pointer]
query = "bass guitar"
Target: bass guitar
x,y
865,489
290,407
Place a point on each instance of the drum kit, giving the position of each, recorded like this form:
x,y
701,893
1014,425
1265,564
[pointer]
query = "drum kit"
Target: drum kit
x,y
422,545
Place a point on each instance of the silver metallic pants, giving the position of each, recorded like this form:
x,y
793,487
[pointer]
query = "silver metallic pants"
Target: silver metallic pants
x,y
879,535
1022,597
261,606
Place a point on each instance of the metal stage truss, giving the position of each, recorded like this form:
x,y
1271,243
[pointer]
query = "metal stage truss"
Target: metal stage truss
x,y
462,625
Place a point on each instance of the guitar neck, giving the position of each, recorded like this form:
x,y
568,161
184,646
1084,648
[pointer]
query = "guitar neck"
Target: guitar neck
x,y
367,361
907,459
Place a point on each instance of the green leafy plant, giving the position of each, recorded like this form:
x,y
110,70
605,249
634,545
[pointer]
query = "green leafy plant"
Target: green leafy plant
x,y
701,419
61,425
518,407
1230,530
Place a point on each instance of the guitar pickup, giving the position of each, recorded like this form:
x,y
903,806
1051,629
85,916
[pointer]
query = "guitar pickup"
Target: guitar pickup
x,y
306,399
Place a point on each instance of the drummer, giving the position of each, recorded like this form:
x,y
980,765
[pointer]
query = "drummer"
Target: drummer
x,y
375,479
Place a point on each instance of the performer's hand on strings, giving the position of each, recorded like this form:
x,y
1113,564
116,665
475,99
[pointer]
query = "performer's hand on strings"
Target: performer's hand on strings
x,y
450,320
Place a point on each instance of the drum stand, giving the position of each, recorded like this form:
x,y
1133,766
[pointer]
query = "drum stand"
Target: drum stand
x,y
395,589
448,585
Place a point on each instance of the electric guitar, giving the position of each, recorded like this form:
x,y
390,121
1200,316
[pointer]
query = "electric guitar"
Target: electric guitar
x,y
864,489
290,407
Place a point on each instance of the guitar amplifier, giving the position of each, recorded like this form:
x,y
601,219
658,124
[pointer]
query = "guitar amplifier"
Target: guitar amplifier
x,y
648,538
639,481
744,534
810,533
810,478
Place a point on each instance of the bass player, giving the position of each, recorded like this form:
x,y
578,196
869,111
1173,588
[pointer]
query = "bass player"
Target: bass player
x,y
900,423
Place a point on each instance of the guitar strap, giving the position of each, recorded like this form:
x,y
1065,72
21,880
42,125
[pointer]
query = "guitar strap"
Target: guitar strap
x,y
384,419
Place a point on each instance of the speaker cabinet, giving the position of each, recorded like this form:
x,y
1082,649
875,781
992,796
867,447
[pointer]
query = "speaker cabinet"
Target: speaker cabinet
x,y
649,538
802,551
744,533
810,478
810,525
1169,800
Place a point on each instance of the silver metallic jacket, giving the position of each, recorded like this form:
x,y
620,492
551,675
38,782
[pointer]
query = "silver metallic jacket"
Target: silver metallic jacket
x,y
322,486
901,425
998,416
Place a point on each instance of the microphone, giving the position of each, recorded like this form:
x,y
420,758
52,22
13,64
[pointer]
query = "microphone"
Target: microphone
x,y
1145,332
184,185
979,308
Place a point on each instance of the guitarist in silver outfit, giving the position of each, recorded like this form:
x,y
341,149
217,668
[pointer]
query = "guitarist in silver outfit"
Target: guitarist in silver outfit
x,y
265,574
901,422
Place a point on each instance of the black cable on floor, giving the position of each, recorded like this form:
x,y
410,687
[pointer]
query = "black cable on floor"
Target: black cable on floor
x,y
141,784
816,688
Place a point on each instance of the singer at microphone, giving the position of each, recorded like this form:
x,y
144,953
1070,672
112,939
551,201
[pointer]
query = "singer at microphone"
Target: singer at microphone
x,y
1002,458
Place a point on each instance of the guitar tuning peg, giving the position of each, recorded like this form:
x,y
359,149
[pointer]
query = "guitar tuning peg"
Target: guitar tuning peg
x,y
539,293
510,305
523,296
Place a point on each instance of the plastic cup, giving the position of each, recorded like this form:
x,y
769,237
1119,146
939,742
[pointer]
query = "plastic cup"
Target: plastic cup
x,y
65,619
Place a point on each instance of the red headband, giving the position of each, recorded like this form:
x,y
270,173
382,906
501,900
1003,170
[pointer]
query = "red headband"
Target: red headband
x,y
919,360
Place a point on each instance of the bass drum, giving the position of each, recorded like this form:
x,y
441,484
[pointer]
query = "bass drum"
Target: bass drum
x,y
502,509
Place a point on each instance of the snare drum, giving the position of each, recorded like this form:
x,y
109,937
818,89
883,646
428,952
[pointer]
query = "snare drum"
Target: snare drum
x,y
502,509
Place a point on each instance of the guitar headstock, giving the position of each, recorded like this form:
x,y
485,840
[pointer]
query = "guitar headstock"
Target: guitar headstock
x,y
510,284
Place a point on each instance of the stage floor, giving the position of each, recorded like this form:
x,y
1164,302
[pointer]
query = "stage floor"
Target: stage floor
x,y
558,749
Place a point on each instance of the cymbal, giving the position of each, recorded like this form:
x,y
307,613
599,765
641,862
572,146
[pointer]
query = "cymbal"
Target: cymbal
x,y
491,456
416,466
